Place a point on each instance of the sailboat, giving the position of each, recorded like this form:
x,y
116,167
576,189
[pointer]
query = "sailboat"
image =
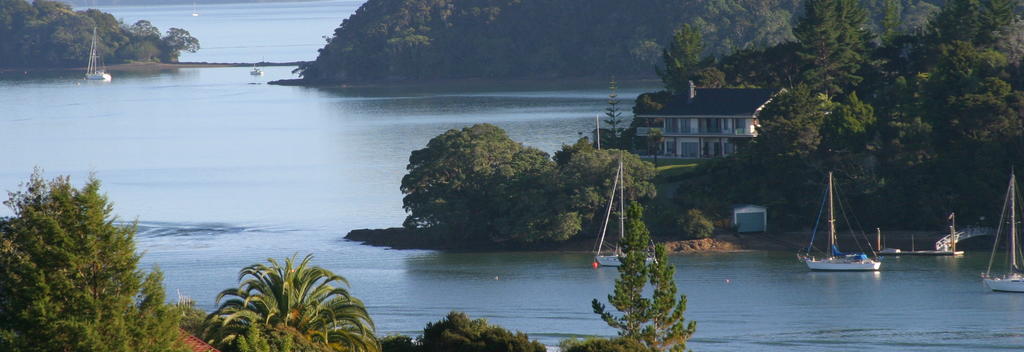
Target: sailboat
x,y
604,254
256,71
95,71
1012,280
195,10
836,260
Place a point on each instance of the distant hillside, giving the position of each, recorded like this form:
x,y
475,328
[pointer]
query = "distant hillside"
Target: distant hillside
x,y
444,39
88,3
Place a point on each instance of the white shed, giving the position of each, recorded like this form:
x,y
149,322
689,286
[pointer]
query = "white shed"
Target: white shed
x,y
749,218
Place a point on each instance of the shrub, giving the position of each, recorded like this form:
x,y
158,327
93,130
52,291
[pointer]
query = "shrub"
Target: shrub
x,y
458,333
398,343
594,344
694,224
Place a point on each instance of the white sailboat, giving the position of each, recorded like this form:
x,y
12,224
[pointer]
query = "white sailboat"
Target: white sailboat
x,y
256,71
95,70
1012,280
605,255
195,10
834,260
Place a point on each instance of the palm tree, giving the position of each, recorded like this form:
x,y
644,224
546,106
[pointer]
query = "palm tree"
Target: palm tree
x,y
297,300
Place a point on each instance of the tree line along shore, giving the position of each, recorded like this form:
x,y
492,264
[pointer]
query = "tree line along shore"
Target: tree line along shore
x,y
915,124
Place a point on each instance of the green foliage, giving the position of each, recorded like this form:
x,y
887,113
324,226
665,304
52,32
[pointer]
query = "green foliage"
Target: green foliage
x,y
50,34
398,343
603,345
193,319
295,304
944,100
476,185
833,43
694,224
614,137
458,333
453,39
656,320
69,279
680,59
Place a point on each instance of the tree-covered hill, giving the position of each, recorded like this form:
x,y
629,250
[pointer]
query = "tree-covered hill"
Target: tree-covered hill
x,y
452,39
914,124
50,34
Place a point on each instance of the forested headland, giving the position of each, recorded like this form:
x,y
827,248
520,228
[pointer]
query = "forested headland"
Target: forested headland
x,y
44,34
915,124
457,39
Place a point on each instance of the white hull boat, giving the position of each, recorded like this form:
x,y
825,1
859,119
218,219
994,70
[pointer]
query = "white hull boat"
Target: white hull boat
x,y
608,260
100,76
1013,280
612,256
95,71
842,264
1013,283
833,259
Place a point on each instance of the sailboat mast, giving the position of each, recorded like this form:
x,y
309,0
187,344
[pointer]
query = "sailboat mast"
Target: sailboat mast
x,y
622,200
1013,224
92,54
607,215
831,218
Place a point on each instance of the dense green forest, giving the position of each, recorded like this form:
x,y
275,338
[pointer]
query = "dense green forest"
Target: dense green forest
x,y
50,34
476,185
450,39
916,124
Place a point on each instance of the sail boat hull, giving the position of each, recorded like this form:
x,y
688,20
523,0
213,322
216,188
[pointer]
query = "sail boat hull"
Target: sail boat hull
x,y
105,77
608,260
842,264
1011,284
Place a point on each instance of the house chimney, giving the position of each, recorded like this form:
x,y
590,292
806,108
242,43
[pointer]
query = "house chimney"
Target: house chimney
x,y
693,92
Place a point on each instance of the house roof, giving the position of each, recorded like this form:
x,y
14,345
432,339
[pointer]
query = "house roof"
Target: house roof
x,y
195,344
717,101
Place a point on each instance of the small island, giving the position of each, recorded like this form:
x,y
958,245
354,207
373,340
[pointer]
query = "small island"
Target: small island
x,y
49,34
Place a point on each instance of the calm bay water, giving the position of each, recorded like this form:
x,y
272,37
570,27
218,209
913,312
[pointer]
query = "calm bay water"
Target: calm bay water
x,y
222,171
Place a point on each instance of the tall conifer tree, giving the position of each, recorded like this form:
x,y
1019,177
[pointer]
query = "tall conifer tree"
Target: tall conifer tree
x,y
656,321
833,42
69,279
681,59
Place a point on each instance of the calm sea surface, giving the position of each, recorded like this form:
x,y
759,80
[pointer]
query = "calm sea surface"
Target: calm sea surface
x,y
222,171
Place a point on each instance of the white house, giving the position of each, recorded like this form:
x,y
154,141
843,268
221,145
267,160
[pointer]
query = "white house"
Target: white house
x,y
707,122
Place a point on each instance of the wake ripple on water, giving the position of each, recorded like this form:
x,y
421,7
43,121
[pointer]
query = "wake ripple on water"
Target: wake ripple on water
x,y
167,229
883,339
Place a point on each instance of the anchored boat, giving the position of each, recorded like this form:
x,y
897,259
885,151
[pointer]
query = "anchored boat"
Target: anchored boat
x,y
1013,279
833,259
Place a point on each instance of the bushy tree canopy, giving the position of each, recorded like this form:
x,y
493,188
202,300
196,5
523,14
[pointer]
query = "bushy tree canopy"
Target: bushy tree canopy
x,y
69,277
478,185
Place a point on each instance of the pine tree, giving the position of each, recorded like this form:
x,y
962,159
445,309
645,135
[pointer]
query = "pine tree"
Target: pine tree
x,y
833,43
69,279
657,321
681,59
890,20
613,117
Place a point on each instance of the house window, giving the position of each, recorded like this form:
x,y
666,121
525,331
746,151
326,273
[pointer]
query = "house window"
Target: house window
x,y
729,148
741,126
670,146
690,149
684,125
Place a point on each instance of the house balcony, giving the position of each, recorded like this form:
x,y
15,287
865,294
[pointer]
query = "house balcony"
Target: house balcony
x,y
739,132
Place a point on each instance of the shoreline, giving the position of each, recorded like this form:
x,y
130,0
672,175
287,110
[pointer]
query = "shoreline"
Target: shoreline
x,y
465,82
406,239
151,66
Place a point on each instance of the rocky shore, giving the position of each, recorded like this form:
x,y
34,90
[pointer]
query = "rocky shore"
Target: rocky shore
x,y
401,238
